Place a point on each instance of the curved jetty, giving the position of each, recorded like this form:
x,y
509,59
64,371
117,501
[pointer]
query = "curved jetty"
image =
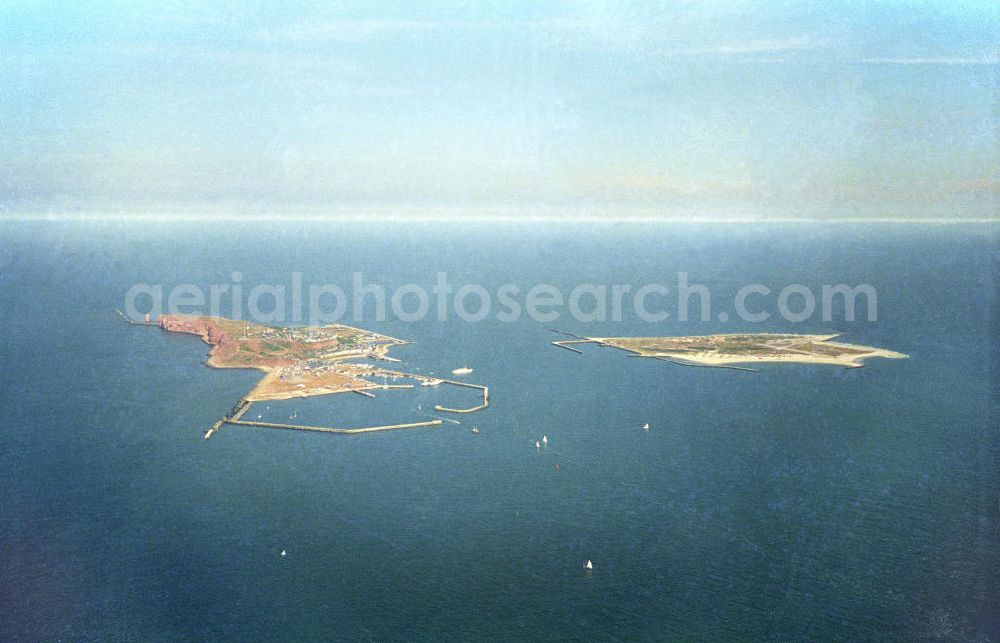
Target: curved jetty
x,y
302,361
724,351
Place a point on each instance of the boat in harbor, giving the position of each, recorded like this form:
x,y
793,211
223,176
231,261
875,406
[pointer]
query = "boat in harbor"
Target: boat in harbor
x,y
465,370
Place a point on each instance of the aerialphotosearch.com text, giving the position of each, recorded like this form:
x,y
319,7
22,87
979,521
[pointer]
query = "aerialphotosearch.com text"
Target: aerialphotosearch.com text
x,y
361,300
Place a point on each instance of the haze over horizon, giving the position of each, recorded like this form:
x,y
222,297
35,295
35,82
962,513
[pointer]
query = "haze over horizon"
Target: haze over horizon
x,y
757,110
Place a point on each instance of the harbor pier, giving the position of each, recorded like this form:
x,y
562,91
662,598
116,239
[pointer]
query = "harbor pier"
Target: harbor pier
x,y
324,429
480,407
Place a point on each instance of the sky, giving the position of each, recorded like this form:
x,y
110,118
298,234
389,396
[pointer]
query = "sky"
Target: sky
x,y
684,109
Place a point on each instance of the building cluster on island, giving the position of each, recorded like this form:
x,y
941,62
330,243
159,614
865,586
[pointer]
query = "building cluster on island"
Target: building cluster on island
x,y
306,361
299,360
315,367
361,342
344,340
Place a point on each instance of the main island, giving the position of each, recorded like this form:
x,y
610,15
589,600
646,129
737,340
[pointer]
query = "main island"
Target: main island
x,y
304,361
726,351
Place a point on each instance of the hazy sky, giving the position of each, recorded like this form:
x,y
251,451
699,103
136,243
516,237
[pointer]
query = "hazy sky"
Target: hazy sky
x,y
680,109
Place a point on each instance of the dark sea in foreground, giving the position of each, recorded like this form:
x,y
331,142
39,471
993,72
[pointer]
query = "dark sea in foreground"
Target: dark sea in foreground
x,y
798,502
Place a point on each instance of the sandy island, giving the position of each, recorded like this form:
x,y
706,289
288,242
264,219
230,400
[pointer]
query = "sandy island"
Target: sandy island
x,y
723,350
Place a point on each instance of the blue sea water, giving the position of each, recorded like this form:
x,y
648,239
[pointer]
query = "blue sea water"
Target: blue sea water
x,y
797,502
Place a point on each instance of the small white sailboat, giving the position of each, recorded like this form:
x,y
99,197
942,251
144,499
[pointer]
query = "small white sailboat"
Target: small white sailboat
x,y
545,439
589,566
475,430
538,445
283,553
645,427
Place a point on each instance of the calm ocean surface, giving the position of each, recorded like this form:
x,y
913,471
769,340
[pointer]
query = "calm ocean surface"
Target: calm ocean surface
x,y
797,502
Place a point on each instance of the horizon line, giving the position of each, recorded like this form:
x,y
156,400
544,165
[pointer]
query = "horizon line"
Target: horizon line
x,y
479,218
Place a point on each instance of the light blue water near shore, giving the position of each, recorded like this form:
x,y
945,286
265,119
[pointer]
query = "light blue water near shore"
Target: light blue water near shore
x,y
800,501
